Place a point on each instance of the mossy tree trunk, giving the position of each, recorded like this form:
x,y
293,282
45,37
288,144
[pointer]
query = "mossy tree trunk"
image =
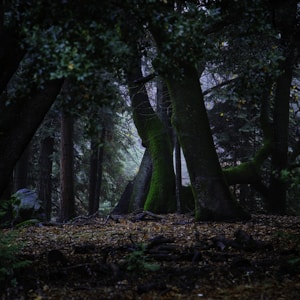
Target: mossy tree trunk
x,y
155,137
249,172
213,200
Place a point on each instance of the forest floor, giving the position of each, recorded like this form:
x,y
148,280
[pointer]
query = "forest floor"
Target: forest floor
x,y
145,256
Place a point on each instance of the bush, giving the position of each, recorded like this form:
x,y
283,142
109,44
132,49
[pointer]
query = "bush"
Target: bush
x,y
10,260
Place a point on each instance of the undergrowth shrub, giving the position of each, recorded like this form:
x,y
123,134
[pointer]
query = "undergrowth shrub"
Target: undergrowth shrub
x,y
10,260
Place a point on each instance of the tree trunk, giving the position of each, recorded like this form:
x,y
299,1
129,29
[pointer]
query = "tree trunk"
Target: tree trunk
x,y
155,137
141,183
136,191
178,174
22,116
45,180
213,200
122,207
285,21
10,57
276,201
96,168
21,170
67,168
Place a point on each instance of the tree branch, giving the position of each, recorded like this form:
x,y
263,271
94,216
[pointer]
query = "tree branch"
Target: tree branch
x,y
143,80
227,82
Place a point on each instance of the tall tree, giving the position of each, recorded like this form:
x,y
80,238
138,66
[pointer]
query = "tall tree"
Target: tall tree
x,y
20,175
213,199
67,168
96,170
45,178
156,138
285,21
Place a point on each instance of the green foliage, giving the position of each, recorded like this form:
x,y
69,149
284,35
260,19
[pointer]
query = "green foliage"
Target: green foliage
x,y
137,261
22,209
9,257
8,213
293,180
66,38
291,240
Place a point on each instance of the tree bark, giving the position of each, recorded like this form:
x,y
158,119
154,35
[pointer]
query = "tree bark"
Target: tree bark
x,y
96,170
285,21
122,207
18,122
178,174
45,180
213,200
141,183
67,168
20,176
136,191
155,137
10,57
276,201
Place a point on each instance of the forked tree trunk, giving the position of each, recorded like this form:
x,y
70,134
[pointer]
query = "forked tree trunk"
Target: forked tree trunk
x,y
156,138
213,200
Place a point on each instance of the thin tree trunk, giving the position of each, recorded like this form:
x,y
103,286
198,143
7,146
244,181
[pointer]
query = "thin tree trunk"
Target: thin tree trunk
x,y
45,180
67,168
96,171
178,173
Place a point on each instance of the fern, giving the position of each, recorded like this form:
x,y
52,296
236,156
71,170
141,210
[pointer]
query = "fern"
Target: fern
x,y
9,256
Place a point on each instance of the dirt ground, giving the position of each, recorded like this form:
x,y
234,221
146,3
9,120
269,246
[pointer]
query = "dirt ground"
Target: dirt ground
x,y
147,256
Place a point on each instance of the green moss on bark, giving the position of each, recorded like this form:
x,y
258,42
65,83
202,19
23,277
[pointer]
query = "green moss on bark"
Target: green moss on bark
x,y
155,137
161,197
